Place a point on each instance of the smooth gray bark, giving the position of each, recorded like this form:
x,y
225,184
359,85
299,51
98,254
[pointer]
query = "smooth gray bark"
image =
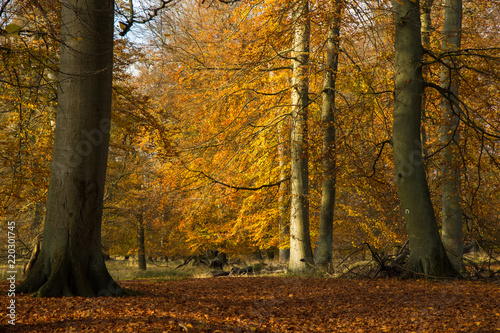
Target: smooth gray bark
x,y
426,22
426,29
300,242
427,253
324,250
451,199
70,262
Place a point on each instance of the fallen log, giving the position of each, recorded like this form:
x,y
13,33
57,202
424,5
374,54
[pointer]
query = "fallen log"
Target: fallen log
x,y
219,273
248,269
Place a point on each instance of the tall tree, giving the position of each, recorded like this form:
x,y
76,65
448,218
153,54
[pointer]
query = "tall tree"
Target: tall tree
x,y
451,198
426,29
427,253
141,248
71,262
284,197
300,242
324,256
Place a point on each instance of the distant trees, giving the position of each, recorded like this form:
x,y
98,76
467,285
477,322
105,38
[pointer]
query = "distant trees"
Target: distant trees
x,y
28,67
365,188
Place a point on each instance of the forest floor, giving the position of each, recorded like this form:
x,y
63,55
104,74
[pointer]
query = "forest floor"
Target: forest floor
x,y
268,304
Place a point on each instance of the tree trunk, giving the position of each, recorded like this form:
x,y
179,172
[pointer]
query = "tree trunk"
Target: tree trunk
x,y
284,193
426,22
141,248
451,198
70,261
324,257
427,254
426,29
283,202
37,224
300,242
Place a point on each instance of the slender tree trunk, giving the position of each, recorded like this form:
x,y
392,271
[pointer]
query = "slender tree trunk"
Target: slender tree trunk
x,y
70,261
328,126
141,248
300,242
36,225
426,22
283,200
284,189
426,29
451,198
427,253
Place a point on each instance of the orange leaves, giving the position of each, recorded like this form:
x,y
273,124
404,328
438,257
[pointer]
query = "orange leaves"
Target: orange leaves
x,y
216,81
27,101
272,304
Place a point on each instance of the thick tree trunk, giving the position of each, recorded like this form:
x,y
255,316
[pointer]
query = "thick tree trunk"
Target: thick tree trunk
x,y
141,247
70,261
451,198
324,251
300,242
427,254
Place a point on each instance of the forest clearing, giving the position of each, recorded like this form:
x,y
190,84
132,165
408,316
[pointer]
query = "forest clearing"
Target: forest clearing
x,y
270,304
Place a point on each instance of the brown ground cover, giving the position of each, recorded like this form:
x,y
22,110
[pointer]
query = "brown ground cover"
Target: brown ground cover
x,y
269,304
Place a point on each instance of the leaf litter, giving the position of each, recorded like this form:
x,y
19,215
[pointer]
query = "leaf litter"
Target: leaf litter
x,y
269,304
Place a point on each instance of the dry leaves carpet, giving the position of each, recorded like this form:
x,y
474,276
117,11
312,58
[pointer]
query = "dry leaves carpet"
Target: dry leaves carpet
x,y
269,304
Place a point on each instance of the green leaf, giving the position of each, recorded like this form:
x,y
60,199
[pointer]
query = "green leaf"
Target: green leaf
x,y
12,28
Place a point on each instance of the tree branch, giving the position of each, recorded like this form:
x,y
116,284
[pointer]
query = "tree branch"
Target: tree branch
x,y
245,188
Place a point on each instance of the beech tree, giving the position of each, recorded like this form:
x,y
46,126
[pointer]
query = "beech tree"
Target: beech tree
x,y
427,253
300,241
328,152
70,262
452,234
426,29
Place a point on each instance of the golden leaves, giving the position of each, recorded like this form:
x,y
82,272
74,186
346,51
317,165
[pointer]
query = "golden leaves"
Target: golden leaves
x,y
273,304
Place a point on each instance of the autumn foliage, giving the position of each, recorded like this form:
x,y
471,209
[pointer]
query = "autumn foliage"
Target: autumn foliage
x,y
201,126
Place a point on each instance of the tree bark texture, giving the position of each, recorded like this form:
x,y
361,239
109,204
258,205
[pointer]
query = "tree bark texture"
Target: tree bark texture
x,y
324,252
451,199
300,242
141,247
284,189
427,253
426,29
284,205
70,261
